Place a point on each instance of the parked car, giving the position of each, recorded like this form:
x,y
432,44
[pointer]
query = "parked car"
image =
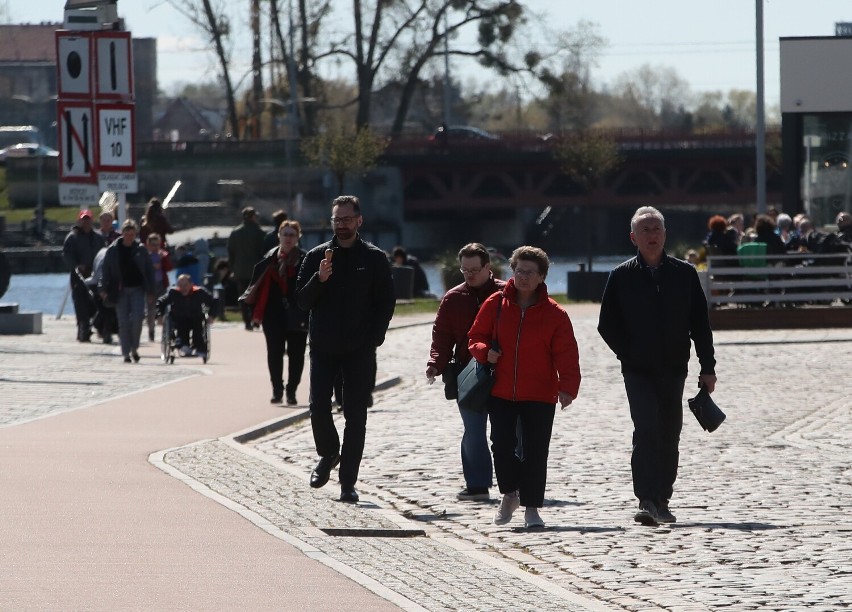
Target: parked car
x,y
444,135
27,149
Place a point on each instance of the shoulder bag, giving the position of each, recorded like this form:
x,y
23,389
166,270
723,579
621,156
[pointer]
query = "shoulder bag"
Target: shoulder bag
x,y
476,379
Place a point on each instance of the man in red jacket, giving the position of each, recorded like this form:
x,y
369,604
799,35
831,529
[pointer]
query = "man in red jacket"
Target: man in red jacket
x,y
449,342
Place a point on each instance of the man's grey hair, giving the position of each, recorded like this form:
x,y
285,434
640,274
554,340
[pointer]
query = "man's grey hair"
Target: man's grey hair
x,y
646,211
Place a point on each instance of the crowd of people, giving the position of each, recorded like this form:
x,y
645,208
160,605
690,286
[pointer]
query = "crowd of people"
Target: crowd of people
x,y
780,232
339,296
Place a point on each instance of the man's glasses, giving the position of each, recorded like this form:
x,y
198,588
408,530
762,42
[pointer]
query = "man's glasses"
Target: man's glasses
x,y
342,220
470,271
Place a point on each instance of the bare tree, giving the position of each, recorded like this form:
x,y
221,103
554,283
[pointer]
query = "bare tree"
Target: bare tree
x,y
213,22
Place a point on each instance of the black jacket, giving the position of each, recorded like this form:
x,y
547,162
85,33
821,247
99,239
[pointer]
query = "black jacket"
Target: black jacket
x,y
353,308
187,307
649,327
278,305
111,281
80,248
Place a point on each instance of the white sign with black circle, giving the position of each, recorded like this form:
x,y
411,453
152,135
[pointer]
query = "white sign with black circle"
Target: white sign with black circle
x,y
74,64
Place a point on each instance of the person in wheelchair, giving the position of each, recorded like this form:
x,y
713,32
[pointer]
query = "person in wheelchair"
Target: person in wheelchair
x,y
186,302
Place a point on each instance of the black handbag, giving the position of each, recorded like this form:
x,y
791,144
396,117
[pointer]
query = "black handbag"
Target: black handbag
x,y
476,379
450,377
709,415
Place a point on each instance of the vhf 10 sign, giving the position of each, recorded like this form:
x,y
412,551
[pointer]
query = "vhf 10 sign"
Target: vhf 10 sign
x,y
95,115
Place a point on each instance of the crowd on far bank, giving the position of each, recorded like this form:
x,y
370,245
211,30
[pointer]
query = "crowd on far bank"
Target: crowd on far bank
x,y
774,233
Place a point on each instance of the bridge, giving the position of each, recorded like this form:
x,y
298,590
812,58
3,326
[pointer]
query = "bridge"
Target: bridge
x,y
663,169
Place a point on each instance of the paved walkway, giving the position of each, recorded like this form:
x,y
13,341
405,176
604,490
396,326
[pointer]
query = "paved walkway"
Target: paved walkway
x,y
761,502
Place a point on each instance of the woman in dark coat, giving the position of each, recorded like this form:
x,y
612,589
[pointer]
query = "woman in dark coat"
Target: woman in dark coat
x,y
285,326
155,222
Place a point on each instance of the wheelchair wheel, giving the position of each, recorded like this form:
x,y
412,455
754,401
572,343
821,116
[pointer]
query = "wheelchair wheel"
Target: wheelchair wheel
x,y
166,345
207,337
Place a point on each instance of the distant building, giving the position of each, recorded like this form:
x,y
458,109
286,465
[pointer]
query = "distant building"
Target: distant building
x,y
184,120
28,79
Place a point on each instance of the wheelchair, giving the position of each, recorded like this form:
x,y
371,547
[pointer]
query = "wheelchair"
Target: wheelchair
x,y
168,342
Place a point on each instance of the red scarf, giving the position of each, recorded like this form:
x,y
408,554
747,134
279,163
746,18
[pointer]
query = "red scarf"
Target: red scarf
x,y
279,272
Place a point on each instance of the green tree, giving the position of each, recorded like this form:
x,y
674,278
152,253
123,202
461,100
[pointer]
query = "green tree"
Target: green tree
x,y
587,158
344,151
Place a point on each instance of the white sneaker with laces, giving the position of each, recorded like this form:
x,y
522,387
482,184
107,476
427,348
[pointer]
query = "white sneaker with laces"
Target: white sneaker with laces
x,y
532,518
510,503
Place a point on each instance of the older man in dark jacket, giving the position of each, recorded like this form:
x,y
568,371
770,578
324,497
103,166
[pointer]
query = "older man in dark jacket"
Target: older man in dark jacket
x,y
79,249
347,286
652,307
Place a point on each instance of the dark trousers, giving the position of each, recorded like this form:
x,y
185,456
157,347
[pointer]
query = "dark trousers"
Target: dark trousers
x,y
84,307
356,368
528,476
278,342
656,407
190,327
245,309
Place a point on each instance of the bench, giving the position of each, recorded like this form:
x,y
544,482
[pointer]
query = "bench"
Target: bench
x,y
757,291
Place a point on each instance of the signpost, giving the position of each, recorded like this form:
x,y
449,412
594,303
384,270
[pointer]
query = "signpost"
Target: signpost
x,y
95,111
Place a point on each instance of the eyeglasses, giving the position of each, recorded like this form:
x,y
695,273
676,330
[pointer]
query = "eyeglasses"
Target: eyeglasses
x,y
520,273
342,220
470,271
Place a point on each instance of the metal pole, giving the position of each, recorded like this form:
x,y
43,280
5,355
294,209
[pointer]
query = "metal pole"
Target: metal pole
x,y
39,199
446,71
760,144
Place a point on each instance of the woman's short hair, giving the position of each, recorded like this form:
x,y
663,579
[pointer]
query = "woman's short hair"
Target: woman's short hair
x,y
533,254
291,223
717,223
129,224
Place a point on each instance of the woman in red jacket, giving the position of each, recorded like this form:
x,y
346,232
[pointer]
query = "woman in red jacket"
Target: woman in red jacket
x,y
536,364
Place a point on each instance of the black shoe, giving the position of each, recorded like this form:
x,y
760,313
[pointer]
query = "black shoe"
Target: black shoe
x,y
664,515
647,514
473,494
126,359
249,327
322,471
275,399
107,339
349,495
291,398
135,356
151,335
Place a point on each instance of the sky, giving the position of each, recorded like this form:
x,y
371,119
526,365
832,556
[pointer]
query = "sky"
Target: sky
x,y
710,44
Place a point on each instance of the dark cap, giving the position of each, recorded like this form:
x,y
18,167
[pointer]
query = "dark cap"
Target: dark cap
x,y
249,212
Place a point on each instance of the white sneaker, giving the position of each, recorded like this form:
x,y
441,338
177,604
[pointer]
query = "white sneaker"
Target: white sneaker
x,y
532,518
510,503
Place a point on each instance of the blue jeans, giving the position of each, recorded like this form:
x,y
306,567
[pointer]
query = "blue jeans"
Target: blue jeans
x,y
130,310
475,454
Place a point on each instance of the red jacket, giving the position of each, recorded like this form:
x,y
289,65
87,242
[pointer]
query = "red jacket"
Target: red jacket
x,y
539,351
455,316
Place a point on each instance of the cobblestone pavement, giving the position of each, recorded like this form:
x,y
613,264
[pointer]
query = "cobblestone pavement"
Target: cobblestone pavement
x,y
52,373
762,502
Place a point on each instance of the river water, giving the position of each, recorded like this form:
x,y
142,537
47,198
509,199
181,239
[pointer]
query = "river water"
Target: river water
x,y
45,292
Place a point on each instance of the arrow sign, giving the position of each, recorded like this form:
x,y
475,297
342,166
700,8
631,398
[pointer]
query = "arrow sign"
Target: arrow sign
x,y
76,137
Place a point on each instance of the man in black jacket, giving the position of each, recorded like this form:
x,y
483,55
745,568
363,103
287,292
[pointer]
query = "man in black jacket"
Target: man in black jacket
x,y
347,286
653,306
79,249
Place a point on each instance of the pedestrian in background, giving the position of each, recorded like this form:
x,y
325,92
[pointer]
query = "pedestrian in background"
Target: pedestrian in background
x,y
245,249
270,241
347,286
128,282
107,229
162,265
285,325
653,306
155,222
79,249
536,363
449,354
